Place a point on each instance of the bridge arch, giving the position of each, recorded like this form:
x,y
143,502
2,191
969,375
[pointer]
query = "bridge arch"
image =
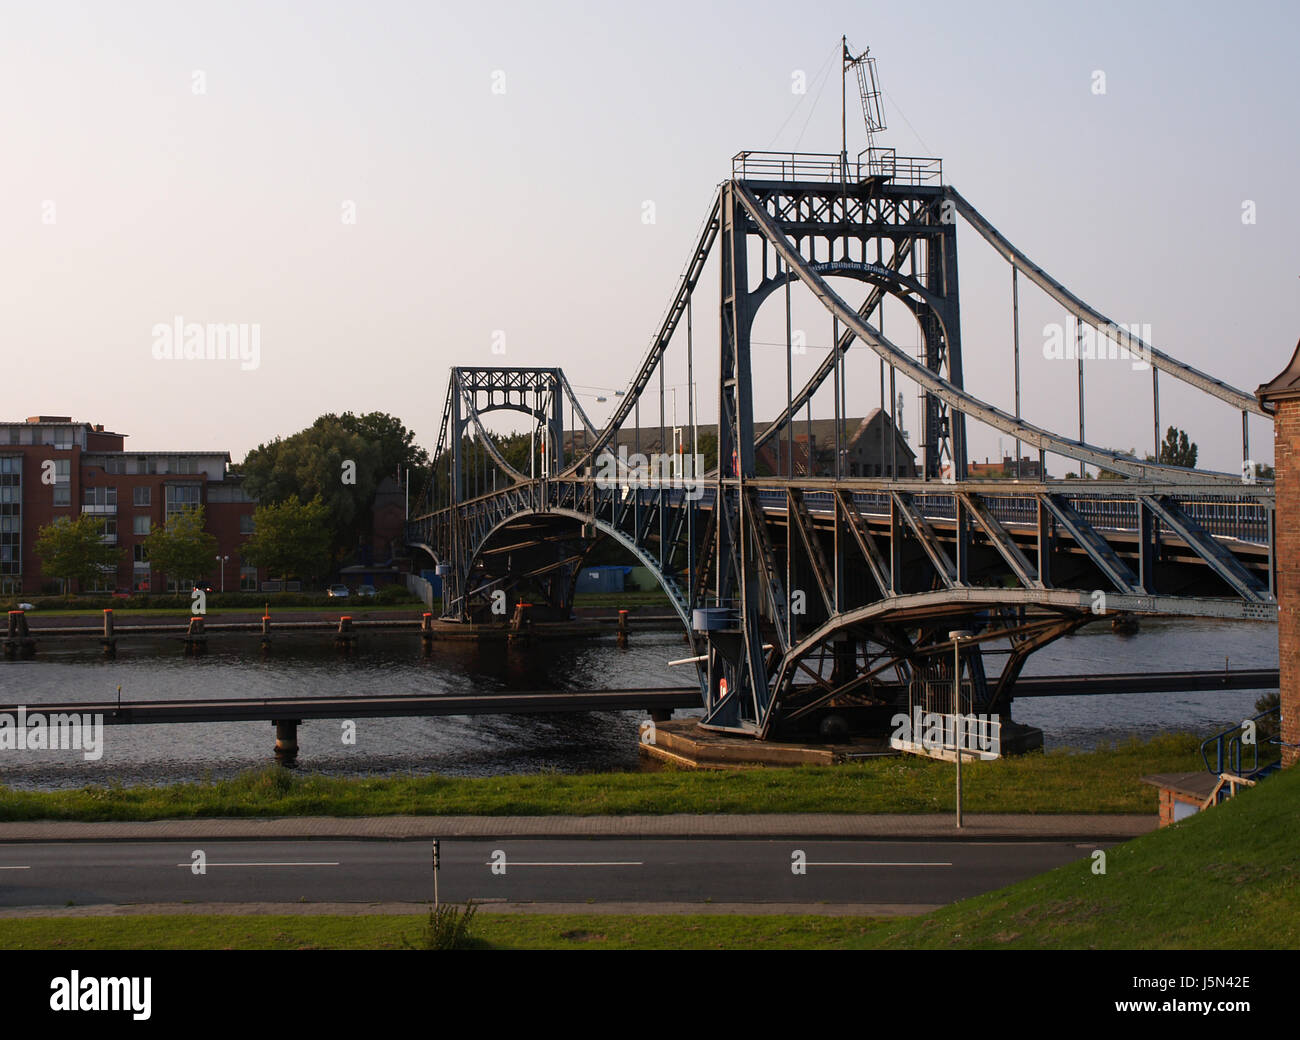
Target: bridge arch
x,y
682,610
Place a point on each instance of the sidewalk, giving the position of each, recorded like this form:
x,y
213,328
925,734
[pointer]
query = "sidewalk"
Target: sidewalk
x,y
892,827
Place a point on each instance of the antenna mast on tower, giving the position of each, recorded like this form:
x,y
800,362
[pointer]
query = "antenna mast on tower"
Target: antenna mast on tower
x,y
873,115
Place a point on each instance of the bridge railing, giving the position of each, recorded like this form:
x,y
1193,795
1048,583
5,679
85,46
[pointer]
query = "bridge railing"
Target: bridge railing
x,y
829,168
1244,518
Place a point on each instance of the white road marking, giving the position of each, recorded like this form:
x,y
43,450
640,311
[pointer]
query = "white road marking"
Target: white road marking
x,y
262,864
611,863
810,863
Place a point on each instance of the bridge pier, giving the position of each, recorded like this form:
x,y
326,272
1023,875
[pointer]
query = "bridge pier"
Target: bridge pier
x,y
286,741
1283,394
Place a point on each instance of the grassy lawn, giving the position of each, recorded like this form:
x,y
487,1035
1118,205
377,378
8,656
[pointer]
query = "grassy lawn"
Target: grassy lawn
x,y
1225,879
1104,781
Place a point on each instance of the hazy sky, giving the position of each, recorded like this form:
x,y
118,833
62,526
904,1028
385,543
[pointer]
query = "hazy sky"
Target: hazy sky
x,y
199,160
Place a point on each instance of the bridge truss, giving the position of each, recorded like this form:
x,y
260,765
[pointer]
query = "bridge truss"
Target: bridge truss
x,y
807,591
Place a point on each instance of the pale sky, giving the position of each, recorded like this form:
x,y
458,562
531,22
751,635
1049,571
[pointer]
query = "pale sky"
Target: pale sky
x,y
198,160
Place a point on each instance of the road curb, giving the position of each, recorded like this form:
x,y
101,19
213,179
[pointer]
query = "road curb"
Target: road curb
x,y
804,827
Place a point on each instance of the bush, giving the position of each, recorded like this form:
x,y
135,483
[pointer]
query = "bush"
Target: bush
x,y
446,929
390,594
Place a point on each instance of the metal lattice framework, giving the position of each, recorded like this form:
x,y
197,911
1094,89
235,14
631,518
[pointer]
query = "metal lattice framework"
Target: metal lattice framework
x,y
802,591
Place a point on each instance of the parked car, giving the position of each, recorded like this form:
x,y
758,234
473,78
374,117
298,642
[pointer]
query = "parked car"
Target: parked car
x,y
32,606
337,592
122,594
201,586
367,590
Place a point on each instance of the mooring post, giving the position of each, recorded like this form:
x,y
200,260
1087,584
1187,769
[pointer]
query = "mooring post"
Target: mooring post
x,y
11,634
519,623
266,631
426,632
622,628
196,640
286,741
109,642
346,635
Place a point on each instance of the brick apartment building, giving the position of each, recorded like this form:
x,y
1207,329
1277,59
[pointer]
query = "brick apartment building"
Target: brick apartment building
x,y
52,467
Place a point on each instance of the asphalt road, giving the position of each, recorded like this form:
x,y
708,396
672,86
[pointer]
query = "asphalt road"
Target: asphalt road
x,y
918,872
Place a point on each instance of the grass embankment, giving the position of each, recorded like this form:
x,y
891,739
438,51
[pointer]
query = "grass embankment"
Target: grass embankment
x,y
1224,879
1106,781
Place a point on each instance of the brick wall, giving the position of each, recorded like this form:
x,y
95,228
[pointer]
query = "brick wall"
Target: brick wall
x,y
1286,435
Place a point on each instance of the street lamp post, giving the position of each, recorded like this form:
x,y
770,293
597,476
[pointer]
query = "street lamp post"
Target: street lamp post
x,y
957,635
222,560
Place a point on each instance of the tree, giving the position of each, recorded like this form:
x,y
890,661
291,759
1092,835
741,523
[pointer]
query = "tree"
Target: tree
x,y
1177,450
75,550
327,461
182,549
291,538
397,448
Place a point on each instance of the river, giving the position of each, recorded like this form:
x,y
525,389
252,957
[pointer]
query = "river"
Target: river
x,y
304,664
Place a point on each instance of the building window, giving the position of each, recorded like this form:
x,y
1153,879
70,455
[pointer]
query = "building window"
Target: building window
x,y
62,480
144,464
141,555
141,577
140,524
183,464
247,579
108,530
99,500
141,496
180,497
246,523
115,464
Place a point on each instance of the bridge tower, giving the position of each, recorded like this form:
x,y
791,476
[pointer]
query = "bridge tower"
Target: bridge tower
x,y
543,559
880,220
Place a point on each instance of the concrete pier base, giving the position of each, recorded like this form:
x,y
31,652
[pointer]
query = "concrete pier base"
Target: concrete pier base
x,y
286,741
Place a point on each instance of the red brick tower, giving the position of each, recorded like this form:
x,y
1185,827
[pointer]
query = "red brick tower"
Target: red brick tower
x,y
1283,395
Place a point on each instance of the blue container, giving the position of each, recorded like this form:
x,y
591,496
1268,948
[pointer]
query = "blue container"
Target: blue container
x,y
602,579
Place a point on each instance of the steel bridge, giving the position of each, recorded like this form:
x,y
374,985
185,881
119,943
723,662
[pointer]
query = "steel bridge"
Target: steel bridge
x,y
810,589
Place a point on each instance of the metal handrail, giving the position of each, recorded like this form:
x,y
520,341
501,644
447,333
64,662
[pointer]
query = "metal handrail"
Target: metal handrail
x,y
831,168
1232,736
